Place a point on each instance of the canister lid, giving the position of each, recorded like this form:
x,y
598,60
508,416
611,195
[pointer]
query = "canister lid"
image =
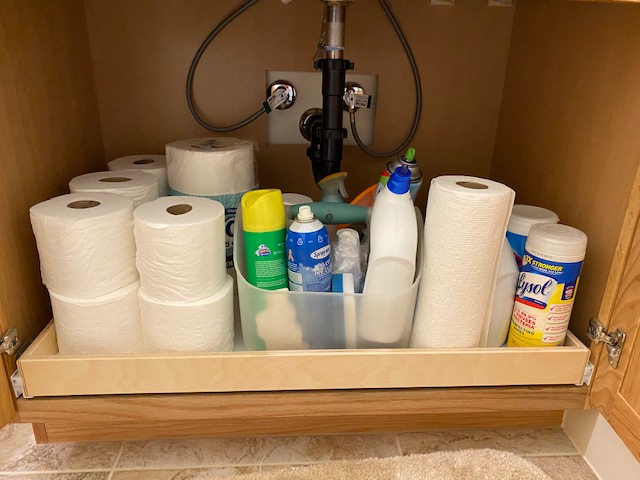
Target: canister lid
x,y
557,240
523,217
262,211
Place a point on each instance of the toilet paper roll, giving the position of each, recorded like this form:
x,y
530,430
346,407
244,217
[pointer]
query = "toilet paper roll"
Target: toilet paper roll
x,y
206,167
85,243
180,248
155,164
105,325
465,226
222,169
202,326
140,187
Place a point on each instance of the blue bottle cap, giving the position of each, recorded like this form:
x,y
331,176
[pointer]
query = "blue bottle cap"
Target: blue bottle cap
x,y
400,180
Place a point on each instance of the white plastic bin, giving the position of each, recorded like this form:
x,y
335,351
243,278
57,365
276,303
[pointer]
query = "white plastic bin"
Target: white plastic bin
x,y
283,320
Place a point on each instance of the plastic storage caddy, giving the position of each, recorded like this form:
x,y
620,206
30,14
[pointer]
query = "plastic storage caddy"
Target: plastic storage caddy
x,y
283,320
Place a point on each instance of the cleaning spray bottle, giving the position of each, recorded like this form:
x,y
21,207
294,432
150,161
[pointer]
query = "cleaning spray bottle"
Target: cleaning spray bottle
x,y
308,253
392,259
408,159
333,191
263,225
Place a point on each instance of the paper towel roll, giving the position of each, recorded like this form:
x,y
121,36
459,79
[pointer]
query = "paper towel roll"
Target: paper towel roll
x,y
222,169
180,248
202,326
465,225
104,325
140,187
155,164
85,243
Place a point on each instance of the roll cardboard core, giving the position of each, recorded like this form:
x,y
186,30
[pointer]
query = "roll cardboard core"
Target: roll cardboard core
x,y
473,185
83,204
115,179
179,209
144,161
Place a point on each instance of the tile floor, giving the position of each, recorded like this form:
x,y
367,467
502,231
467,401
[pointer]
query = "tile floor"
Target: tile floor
x,y
22,459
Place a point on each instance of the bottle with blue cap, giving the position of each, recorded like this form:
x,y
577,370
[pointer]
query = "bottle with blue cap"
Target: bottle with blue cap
x,y
392,258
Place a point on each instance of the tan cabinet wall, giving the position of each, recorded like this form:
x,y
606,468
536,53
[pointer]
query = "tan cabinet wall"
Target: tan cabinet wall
x,y
49,132
568,133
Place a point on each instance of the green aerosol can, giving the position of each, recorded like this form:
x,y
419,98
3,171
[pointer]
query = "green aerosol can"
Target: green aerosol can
x,y
408,159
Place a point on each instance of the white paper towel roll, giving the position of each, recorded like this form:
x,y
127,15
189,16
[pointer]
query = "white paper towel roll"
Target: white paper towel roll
x,y
85,243
202,326
140,187
104,325
465,225
222,169
180,248
155,164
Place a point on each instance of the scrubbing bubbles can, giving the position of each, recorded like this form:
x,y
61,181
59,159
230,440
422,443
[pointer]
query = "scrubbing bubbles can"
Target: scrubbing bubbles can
x,y
547,286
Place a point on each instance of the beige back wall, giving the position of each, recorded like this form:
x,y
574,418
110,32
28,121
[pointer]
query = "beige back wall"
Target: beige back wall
x,y
568,136
142,50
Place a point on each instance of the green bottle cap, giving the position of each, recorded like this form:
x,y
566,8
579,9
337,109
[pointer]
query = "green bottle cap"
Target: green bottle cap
x,y
410,155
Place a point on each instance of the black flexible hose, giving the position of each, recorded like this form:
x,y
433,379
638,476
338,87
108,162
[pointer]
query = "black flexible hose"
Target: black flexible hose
x,y
416,79
192,70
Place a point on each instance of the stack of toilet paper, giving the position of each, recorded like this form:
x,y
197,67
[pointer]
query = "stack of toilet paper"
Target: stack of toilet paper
x,y
186,296
87,259
139,186
154,164
220,168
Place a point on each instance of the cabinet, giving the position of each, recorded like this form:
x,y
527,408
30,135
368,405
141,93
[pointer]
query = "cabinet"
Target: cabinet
x,y
542,96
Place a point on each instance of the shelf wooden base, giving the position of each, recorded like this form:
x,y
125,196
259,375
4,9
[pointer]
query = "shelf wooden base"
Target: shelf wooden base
x,y
129,417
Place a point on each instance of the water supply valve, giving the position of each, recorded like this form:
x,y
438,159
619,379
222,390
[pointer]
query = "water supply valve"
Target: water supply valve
x,y
355,98
281,94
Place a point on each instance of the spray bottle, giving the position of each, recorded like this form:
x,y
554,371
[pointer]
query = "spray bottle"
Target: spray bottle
x,y
408,159
263,224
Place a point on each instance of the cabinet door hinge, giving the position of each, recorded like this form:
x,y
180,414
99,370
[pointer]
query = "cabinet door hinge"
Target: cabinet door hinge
x,y
613,341
9,342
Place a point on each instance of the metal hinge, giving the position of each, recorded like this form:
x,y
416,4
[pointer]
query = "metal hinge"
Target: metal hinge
x,y
9,342
613,342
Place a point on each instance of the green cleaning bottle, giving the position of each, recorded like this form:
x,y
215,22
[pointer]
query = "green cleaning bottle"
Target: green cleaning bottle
x,y
264,230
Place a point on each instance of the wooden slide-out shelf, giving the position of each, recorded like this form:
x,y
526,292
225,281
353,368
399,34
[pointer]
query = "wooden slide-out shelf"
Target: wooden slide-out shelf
x,y
46,373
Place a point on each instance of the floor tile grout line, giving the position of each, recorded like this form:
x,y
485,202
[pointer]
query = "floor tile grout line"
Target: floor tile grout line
x,y
228,465
53,472
116,468
551,454
398,446
118,456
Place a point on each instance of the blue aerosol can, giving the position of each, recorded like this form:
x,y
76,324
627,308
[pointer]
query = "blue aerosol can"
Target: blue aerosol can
x,y
408,159
308,253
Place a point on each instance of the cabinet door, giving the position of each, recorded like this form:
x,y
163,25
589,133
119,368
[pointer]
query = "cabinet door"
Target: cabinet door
x,y
616,392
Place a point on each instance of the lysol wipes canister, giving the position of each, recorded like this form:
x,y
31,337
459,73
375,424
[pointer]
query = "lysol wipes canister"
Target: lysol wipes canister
x,y
547,285
523,217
